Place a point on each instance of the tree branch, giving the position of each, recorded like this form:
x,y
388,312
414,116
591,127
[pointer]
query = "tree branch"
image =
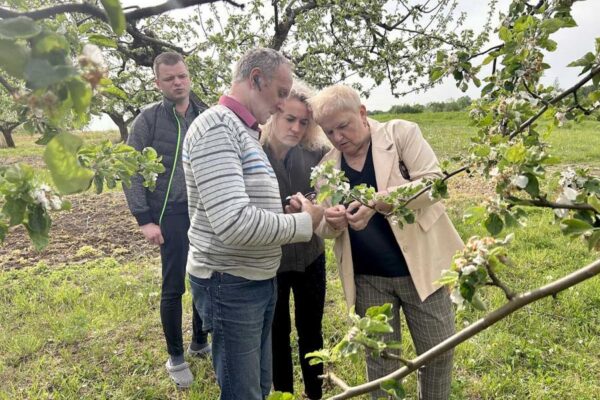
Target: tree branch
x,y
561,96
517,303
170,5
82,8
10,88
97,12
282,29
550,204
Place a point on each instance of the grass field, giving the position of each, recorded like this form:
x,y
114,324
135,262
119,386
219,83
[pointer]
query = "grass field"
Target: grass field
x,y
91,329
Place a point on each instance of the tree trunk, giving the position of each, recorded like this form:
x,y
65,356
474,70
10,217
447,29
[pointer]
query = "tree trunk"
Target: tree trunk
x,y
8,139
121,124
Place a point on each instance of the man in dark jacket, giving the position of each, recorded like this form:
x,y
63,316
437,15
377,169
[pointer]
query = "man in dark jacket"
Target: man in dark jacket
x,y
162,214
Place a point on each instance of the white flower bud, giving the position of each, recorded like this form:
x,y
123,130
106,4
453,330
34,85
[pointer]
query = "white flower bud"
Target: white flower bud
x,y
469,269
520,181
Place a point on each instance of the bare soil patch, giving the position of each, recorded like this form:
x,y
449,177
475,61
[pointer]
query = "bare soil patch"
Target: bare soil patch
x,y
96,226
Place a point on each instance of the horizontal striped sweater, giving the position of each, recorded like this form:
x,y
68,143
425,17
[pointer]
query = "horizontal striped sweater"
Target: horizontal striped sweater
x,y
236,220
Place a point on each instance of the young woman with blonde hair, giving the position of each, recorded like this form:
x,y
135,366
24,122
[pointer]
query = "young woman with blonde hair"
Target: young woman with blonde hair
x,y
294,144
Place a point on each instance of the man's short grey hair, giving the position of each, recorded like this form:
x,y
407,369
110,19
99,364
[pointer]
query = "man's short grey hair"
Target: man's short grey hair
x,y
265,59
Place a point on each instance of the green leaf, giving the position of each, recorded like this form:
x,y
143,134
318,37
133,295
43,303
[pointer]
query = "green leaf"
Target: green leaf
x,y
50,42
394,388
41,74
81,95
533,186
115,91
115,15
435,74
477,303
574,227
15,211
504,34
38,225
584,61
19,28
61,158
385,309
494,224
13,58
594,240
102,41
594,202
448,277
280,396
516,153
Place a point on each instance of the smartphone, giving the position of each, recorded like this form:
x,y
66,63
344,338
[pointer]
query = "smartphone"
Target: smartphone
x,y
309,196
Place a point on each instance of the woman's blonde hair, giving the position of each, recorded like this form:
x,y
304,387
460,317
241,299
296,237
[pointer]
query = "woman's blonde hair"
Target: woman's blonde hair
x,y
314,138
334,99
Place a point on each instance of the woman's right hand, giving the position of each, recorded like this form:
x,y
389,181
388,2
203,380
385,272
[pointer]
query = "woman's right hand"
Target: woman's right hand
x,y
336,217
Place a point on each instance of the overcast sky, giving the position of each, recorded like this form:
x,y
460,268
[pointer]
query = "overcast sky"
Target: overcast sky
x,y
573,43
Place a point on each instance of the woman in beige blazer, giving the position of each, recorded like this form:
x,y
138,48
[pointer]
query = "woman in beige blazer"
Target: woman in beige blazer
x,y
378,261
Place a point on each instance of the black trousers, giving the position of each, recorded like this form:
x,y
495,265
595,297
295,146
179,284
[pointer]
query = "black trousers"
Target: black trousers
x,y
309,301
173,253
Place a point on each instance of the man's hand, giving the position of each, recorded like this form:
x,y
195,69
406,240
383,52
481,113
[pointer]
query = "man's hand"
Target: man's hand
x,y
315,211
359,215
295,205
152,233
336,217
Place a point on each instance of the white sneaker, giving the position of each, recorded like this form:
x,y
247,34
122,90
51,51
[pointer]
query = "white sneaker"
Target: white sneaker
x,y
204,351
180,374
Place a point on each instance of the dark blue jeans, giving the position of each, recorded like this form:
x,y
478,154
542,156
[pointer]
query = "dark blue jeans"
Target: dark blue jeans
x,y
173,253
238,312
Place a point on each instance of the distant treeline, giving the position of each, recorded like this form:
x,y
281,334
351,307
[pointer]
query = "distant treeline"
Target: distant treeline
x,y
435,106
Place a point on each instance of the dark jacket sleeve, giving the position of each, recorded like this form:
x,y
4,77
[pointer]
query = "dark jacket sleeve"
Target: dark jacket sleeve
x,y
139,138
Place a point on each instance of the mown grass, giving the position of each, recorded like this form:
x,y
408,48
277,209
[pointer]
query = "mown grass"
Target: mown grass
x,y
92,330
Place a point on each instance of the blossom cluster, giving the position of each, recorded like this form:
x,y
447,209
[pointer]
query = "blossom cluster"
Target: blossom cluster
x,y
471,267
44,196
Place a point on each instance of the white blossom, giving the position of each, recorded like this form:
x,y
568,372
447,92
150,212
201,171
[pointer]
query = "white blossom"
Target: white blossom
x,y
55,203
479,260
570,194
561,117
469,269
520,181
567,177
40,198
457,298
93,53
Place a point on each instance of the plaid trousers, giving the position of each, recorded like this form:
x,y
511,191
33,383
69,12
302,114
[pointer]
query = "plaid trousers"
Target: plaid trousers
x,y
429,322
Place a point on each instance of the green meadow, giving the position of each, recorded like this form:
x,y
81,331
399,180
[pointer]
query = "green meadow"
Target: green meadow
x,y
91,330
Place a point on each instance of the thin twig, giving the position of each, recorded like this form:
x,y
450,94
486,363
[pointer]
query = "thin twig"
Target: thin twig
x,y
426,188
336,380
498,283
392,356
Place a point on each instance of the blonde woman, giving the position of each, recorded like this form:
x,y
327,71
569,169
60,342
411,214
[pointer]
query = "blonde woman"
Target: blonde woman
x,y
294,144
381,262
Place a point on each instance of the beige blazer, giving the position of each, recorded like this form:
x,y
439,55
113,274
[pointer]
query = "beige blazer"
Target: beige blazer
x,y
430,243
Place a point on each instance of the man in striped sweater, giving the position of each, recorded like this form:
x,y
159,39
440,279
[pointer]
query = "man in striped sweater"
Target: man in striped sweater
x,y
237,224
